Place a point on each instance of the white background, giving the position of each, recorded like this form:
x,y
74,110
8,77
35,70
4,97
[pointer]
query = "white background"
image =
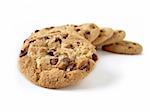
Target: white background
x,y
119,83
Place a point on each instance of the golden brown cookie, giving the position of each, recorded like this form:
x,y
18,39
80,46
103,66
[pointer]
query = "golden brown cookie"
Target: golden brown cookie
x,y
56,60
105,34
123,47
117,36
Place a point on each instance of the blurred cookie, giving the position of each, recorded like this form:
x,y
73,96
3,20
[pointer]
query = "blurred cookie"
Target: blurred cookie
x,y
123,47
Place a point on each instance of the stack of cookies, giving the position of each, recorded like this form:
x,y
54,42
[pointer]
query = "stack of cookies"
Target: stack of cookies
x,y
57,57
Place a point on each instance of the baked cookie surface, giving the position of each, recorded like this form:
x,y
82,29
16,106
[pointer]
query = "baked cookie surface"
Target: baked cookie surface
x,y
89,31
124,47
105,34
117,36
56,60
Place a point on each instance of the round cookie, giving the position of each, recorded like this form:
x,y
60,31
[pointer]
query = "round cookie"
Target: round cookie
x,y
105,34
56,60
117,36
90,31
124,47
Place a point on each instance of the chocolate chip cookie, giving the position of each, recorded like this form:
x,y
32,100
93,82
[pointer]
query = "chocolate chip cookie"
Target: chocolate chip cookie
x,y
105,34
56,60
117,36
123,47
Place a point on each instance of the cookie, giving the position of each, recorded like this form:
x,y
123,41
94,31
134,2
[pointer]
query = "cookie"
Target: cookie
x,y
117,36
105,34
89,31
56,60
124,47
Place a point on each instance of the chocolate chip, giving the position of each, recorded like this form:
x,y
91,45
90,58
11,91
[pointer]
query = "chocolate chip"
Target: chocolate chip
x,y
99,35
70,46
65,36
65,76
51,52
46,37
75,25
64,63
85,66
71,66
53,61
134,44
56,54
77,29
101,30
31,41
23,53
117,43
87,32
92,26
25,40
58,40
78,43
94,57
49,28
36,31
129,47
120,31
